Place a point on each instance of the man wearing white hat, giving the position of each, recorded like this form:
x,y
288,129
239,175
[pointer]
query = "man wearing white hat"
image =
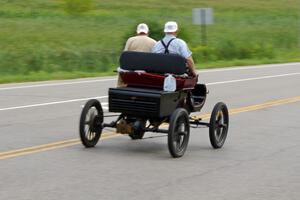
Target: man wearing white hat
x,y
141,42
170,44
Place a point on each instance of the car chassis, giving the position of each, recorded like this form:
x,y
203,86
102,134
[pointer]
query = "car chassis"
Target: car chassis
x,y
145,107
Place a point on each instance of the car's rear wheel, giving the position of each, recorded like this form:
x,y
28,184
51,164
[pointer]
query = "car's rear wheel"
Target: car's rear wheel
x,y
179,132
91,120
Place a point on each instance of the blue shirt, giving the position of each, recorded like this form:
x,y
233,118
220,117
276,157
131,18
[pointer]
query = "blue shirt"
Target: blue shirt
x,y
177,46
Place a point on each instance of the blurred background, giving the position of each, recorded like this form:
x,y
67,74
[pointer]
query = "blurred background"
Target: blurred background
x,y
58,39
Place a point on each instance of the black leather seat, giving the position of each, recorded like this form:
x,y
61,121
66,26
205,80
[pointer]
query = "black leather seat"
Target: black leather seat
x,y
153,62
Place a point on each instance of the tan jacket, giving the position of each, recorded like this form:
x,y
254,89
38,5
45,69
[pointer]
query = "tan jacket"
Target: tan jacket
x,y
141,43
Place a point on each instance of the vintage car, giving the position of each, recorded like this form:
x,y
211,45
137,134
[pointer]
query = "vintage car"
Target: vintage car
x,y
144,106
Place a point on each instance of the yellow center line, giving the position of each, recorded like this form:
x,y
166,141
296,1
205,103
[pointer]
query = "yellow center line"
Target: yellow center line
x,y
265,105
37,149
107,135
43,147
39,146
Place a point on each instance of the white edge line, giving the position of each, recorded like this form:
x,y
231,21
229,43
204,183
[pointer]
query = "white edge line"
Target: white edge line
x,y
247,67
51,103
57,84
105,103
251,79
114,79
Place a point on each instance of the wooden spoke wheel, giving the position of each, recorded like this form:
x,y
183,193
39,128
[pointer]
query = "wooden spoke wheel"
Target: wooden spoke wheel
x,y
91,120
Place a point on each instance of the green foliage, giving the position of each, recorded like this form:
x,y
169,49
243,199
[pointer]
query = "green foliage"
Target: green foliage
x,y
77,7
156,30
65,60
232,50
40,37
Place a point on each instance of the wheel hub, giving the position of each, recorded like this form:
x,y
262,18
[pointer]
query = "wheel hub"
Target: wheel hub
x,y
96,123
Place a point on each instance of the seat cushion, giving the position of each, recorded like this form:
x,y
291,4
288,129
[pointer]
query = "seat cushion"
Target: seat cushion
x,y
153,62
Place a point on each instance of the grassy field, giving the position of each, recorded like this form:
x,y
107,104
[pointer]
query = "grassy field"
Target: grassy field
x,y
42,40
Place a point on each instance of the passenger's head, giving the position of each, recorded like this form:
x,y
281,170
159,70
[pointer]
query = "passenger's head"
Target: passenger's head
x,y
142,29
171,27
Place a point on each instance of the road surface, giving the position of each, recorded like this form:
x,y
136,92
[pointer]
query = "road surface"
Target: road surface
x,y
41,156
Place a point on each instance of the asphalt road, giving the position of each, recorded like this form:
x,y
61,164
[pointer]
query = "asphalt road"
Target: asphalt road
x,y
41,157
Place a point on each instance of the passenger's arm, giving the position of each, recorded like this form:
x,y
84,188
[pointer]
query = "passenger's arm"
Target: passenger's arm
x,y
191,65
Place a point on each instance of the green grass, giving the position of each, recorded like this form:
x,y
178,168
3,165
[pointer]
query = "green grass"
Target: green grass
x,y
41,40
58,75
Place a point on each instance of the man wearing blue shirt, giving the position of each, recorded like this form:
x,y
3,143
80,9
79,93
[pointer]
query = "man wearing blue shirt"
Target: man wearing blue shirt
x,y
170,44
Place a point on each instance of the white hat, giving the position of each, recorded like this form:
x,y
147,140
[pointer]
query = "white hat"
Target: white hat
x,y
142,28
171,27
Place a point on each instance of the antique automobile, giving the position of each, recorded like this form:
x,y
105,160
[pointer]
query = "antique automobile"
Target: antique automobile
x,y
143,105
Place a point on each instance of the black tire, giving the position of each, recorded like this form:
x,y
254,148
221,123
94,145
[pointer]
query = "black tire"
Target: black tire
x,y
219,124
90,126
179,132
